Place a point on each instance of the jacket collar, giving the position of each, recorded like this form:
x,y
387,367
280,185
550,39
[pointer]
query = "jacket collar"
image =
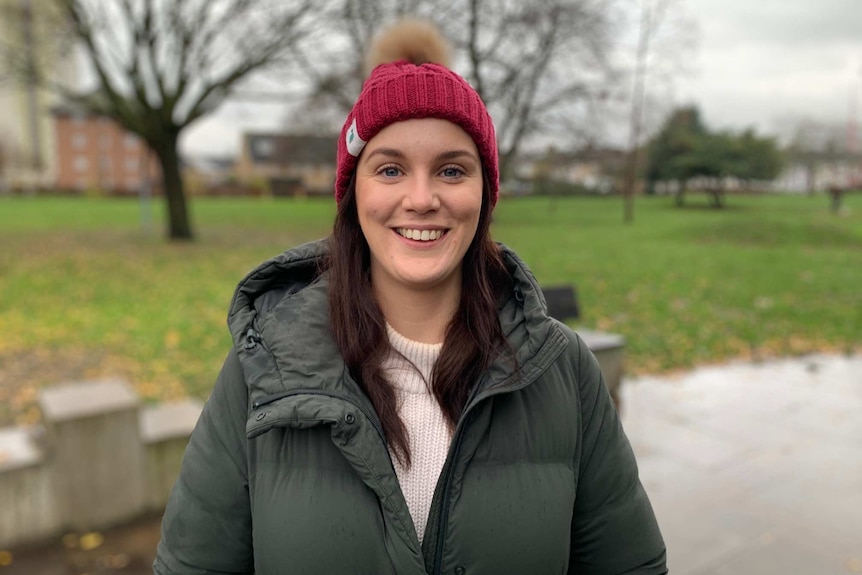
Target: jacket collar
x,y
284,300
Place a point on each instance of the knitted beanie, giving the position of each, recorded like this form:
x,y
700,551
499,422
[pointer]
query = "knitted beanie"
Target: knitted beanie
x,y
410,81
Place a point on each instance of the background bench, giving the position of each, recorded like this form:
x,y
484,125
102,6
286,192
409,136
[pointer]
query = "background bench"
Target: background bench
x,y
608,348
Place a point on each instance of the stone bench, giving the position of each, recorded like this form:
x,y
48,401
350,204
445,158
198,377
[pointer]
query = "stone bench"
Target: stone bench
x,y
99,459
28,509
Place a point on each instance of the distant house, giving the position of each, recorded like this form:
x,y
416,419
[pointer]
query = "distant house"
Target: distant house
x,y
808,172
592,169
289,164
96,153
210,175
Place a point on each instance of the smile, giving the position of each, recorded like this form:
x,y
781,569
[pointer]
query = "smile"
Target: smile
x,y
420,235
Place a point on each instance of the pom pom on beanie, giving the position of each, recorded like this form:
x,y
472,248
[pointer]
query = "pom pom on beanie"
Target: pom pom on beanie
x,y
410,79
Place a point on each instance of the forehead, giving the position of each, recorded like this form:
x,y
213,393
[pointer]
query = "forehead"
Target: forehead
x,y
422,135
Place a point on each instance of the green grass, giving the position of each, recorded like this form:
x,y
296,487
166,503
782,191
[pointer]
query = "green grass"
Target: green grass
x,y
86,290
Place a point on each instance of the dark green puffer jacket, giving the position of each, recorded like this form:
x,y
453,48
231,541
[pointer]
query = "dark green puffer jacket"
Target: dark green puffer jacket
x,y
287,471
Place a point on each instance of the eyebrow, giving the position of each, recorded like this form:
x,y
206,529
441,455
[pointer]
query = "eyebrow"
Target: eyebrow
x,y
442,157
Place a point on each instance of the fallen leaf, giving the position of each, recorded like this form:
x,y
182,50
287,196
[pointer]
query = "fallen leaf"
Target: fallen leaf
x,y
5,558
90,541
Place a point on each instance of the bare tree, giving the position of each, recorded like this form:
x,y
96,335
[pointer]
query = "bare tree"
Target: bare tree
x,y
823,150
161,64
331,56
537,64
663,31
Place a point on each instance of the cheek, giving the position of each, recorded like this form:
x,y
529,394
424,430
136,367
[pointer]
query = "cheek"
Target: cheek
x,y
370,209
468,209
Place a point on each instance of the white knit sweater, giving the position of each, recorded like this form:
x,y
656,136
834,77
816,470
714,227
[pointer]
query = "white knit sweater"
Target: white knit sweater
x,y
429,436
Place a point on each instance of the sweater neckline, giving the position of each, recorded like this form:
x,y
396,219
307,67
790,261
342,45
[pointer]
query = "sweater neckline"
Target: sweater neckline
x,y
410,364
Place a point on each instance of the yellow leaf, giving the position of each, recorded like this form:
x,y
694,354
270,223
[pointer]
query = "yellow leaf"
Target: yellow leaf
x,y
5,558
90,541
172,339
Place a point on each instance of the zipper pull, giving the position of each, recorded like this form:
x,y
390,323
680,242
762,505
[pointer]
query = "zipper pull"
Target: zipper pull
x,y
252,338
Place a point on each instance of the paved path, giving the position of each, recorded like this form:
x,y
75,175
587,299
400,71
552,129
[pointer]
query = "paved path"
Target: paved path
x,y
754,469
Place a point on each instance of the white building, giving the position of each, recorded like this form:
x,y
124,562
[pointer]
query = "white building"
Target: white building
x,y
29,28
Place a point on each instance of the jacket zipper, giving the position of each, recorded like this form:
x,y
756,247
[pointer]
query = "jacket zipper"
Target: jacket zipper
x,y
475,399
444,510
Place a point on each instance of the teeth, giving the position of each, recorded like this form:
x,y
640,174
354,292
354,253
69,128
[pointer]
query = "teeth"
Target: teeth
x,y
420,235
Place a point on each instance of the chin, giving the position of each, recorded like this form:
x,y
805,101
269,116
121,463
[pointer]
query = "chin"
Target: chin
x,y
425,279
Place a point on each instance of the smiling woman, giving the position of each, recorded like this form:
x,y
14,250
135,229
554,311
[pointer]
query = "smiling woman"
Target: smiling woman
x,y
418,194
397,399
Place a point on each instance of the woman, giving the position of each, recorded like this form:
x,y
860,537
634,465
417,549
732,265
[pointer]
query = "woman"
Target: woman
x,y
397,399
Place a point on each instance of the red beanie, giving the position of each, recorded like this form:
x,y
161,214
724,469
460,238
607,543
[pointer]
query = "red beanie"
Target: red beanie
x,y
403,90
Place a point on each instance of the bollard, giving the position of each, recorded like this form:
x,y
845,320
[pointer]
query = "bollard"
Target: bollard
x,y
28,510
96,454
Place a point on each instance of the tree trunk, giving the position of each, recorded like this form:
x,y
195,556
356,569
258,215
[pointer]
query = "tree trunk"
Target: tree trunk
x,y
644,33
836,192
179,225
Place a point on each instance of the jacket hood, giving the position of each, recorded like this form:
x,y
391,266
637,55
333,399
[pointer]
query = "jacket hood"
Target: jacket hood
x,y
272,281
283,304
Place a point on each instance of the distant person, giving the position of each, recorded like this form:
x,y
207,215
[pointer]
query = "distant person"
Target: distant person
x,y
397,399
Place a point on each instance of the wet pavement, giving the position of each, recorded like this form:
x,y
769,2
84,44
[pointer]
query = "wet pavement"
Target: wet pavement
x,y
752,468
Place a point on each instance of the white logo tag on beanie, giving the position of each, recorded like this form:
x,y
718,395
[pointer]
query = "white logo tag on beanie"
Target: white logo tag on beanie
x,y
354,142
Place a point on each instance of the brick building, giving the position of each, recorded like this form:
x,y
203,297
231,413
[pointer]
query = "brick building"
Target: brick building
x,y
95,153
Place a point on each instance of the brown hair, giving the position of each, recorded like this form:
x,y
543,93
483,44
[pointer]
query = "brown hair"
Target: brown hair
x,y
473,338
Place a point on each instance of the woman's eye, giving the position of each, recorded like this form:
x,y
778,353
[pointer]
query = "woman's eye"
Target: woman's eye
x,y
390,171
452,172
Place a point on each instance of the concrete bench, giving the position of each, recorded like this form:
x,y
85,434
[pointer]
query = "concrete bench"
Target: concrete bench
x,y
28,508
100,459
607,347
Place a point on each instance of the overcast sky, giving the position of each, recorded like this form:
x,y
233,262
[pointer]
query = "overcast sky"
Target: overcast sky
x,y
763,62
758,63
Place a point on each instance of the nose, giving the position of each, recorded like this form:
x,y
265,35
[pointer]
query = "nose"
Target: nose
x,y
421,195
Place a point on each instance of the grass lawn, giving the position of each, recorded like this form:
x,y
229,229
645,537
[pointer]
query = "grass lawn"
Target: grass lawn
x,y
87,290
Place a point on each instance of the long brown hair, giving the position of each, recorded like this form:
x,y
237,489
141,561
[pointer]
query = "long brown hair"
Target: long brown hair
x,y
472,341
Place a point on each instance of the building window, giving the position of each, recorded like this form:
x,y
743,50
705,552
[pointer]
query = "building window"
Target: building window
x,y
132,164
79,140
81,164
132,183
130,141
263,147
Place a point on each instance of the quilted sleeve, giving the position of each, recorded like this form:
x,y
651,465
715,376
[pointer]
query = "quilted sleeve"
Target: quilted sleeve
x,y
614,529
206,528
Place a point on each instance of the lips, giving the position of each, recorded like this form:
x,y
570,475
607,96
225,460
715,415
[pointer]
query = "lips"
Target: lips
x,y
420,235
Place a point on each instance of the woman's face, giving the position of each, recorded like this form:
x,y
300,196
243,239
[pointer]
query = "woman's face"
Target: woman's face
x,y
418,198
